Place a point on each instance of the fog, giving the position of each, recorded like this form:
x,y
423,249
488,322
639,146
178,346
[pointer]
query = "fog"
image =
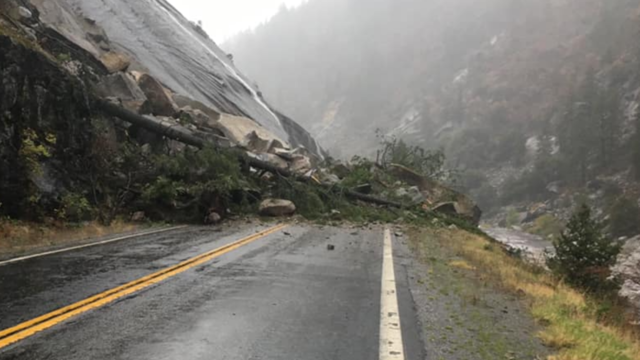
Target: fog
x,y
223,19
521,96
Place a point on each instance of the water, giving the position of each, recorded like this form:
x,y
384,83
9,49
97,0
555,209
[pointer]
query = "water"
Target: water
x,y
532,246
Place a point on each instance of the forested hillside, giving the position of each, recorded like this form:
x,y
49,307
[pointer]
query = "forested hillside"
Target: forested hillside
x,y
530,100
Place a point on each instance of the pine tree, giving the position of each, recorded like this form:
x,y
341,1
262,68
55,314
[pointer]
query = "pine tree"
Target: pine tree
x,y
583,255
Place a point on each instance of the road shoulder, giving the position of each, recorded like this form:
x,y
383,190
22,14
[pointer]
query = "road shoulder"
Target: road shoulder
x,y
461,314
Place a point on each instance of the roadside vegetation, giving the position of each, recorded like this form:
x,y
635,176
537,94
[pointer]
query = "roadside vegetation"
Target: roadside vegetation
x,y
113,179
576,305
583,255
19,236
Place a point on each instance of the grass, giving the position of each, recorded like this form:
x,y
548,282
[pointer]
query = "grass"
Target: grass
x,y
575,326
20,236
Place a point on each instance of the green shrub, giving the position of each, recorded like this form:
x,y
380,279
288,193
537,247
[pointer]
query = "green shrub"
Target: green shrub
x,y
193,182
583,255
163,190
360,174
74,208
426,162
307,198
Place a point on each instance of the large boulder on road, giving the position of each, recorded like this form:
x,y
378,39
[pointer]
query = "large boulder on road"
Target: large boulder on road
x,y
277,207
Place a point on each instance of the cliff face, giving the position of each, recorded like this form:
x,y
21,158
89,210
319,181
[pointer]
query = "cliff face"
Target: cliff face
x,y
41,150
93,107
161,42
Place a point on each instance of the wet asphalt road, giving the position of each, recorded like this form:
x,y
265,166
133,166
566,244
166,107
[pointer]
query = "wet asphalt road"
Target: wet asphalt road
x,y
284,296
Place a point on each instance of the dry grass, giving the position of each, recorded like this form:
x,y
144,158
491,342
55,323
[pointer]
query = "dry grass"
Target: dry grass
x,y
17,236
461,264
570,319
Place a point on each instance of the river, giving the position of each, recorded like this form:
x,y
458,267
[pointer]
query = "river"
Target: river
x,y
532,246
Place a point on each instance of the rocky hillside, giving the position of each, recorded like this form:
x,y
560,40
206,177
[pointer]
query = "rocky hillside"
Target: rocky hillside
x,y
100,121
90,115
164,44
535,103
491,82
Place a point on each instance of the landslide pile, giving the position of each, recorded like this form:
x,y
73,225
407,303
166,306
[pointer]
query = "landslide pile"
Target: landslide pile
x,y
85,136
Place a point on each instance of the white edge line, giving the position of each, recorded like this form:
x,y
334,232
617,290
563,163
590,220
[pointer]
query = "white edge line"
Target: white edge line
x,y
391,343
22,258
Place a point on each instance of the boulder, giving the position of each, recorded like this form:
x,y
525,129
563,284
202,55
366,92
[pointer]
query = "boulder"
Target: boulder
x,y
160,104
447,208
277,207
115,62
236,128
300,164
183,102
138,216
253,142
325,177
271,159
124,87
412,193
439,197
197,117
213,218
24,12
284,153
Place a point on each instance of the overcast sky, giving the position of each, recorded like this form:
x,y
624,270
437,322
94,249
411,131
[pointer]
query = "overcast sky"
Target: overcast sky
x,y
224,18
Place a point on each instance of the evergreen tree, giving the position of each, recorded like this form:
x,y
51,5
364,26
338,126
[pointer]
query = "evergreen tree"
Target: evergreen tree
x,y
583,255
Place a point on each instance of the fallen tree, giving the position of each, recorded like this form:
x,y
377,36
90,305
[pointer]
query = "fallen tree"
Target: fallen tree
x,y
180,134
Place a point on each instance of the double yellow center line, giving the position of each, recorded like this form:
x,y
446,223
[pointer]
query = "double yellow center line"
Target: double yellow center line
x,y
31,327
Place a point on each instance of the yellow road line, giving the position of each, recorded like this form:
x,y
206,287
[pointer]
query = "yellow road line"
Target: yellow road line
x,y
29,328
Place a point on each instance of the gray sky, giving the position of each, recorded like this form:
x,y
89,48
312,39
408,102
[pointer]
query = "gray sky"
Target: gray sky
x,y
224,18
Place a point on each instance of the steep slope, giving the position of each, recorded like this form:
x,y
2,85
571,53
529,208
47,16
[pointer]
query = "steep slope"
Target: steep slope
x,y
176,52
488,81
355,65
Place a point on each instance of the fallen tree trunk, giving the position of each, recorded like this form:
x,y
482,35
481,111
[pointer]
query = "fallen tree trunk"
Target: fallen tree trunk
x,y
172,132
179,134
370,199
